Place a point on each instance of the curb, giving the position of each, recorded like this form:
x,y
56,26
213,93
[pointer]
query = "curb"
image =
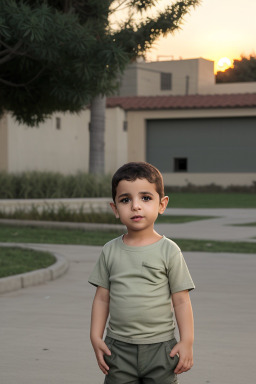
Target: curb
x,y
40,276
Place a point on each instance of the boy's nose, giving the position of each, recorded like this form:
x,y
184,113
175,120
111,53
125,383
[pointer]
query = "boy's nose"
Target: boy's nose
x,y
135,205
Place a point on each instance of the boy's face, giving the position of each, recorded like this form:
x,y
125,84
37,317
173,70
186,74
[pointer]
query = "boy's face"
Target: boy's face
x,y
137,204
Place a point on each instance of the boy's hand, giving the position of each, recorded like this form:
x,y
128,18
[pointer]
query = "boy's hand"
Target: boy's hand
x,y
185,352
101,349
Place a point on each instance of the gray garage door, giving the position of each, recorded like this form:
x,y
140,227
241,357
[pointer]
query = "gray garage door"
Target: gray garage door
x,y
202,145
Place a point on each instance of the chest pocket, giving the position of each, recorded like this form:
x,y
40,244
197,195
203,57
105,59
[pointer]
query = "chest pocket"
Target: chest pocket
x,y
153,273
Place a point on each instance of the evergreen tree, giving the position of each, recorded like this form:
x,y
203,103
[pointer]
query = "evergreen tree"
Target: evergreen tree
x,y
61,55
243,70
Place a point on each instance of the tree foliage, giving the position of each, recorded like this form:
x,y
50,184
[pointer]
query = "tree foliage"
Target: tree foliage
x,y
243,70
56,55
51,59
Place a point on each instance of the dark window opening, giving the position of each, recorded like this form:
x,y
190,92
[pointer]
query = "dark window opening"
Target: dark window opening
x,y
166,81
125,126
180,164
58,123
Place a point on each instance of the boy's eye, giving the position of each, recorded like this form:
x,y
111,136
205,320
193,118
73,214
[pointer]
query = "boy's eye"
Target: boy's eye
x,y
125,200
146,198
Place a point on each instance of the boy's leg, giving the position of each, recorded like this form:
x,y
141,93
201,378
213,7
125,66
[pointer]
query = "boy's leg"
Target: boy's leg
x,y
122,363
156,365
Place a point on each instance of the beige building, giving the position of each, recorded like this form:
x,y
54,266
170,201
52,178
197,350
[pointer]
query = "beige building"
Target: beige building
x,y
169,113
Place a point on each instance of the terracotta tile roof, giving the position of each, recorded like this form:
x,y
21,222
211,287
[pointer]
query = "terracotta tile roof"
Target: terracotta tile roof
x,y
133,103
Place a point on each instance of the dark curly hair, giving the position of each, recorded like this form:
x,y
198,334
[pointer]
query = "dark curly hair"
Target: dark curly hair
x,y
138,170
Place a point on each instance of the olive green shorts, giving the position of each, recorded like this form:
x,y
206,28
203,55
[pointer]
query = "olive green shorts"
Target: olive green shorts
x,y
140,363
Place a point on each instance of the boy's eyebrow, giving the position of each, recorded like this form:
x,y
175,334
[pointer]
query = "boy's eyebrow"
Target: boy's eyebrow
x,y
141,193
146,193
122,195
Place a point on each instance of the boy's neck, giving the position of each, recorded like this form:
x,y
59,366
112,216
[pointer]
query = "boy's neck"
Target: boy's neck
x,y
141,238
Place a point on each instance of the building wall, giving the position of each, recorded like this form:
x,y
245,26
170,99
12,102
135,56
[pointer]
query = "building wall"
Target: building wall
x,y
184,75
148,81
202,179
228,88
128,81
206,76
188,76
64,150
47,148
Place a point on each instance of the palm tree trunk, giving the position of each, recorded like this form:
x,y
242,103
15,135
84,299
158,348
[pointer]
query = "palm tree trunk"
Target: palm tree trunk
x,y
97,135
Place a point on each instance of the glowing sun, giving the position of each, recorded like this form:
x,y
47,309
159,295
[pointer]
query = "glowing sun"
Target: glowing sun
x,y
223,63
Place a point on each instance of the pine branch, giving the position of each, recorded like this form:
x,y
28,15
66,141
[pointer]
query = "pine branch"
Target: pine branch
x,y
12,50
12,84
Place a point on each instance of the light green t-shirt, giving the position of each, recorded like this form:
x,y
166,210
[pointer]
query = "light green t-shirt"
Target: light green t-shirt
x,y
141,281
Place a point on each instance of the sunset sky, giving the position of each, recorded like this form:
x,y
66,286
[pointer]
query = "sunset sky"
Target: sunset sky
x,y
214,30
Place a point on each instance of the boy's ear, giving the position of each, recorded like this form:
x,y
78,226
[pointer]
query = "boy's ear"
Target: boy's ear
x,y
163,204
114,209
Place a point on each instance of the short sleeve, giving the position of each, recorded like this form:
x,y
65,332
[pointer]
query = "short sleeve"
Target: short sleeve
x,y
178,274
100,275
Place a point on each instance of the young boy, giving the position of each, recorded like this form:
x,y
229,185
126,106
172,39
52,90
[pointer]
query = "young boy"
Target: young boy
x,y
140,277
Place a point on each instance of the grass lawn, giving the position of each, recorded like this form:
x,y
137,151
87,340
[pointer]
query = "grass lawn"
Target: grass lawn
x,y
212,200
75,236
14,261
54,236
188,245
172,219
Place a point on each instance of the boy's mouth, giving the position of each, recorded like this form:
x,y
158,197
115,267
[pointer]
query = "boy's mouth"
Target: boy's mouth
x,y
137,218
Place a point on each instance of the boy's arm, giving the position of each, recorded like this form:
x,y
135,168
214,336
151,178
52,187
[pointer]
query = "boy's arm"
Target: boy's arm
x,y
100,311
184,316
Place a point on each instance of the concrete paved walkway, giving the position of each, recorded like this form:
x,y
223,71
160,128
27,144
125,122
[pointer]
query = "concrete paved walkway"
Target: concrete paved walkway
x,y
224,225
45,329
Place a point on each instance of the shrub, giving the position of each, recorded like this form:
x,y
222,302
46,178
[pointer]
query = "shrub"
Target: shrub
x,y
47,185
